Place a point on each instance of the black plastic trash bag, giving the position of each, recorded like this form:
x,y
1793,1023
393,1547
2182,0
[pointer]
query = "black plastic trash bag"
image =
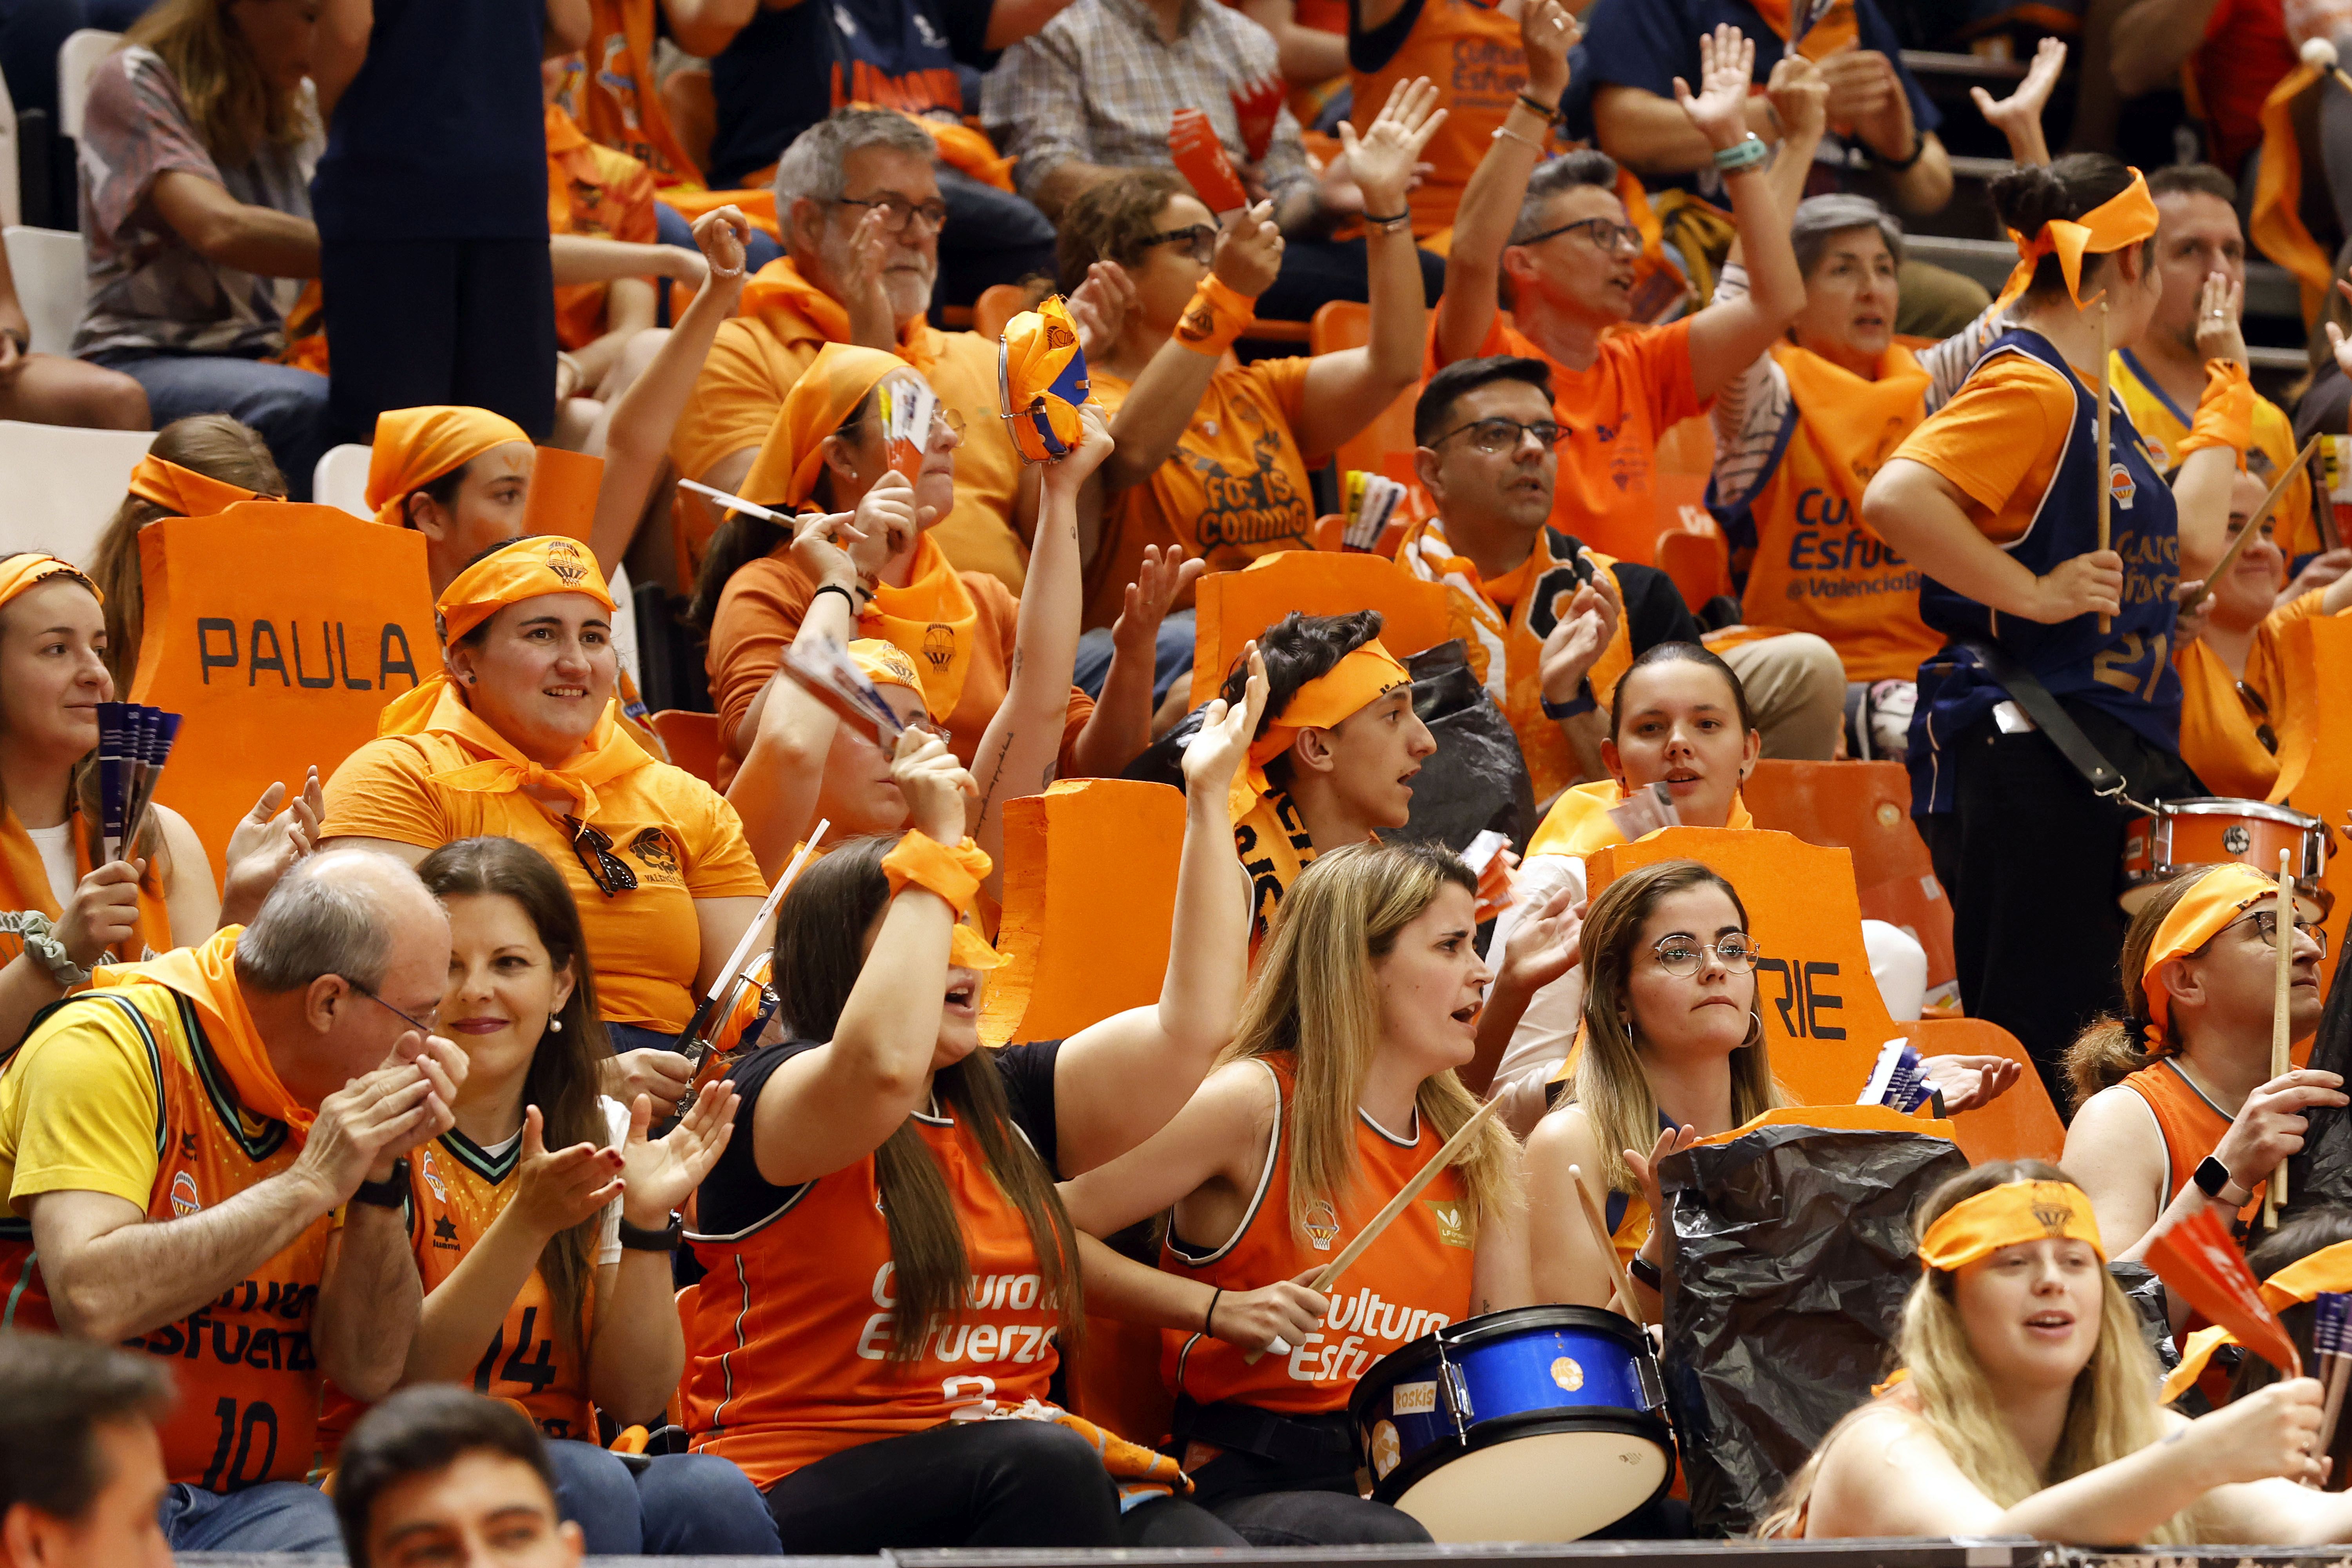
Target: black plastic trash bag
x,y
1476,779
2321,1176
1791,1256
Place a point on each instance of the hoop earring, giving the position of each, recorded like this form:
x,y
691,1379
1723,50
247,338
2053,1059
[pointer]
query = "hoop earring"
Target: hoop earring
x,y
1755,1029
554,1024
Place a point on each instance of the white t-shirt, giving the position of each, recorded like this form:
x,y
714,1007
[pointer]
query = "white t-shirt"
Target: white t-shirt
x,y
56,848
616,1123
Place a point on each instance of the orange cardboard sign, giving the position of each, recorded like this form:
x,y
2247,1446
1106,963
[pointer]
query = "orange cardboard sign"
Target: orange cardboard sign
x,y
1234,606
278,631
2313,720
563,499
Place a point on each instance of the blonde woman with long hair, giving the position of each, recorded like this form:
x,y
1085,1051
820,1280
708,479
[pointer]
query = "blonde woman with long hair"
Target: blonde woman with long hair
x,y
1338,1087
2029,1407
1673,1050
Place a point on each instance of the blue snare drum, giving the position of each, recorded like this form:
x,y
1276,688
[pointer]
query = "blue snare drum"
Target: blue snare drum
x,y
1537,1424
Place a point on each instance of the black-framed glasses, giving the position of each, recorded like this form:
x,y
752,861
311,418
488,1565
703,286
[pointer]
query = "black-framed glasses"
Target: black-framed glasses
x,y
424,1026
1681,956
2265,924
897,212
1500,434
593,845
1610,237
1200,241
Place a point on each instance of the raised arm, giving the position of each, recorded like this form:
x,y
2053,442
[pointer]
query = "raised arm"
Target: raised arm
x,y
636,1351
1117,1082
1120,727
2018,117
2151,39
836,1104
1489,208
1347,390
1726,336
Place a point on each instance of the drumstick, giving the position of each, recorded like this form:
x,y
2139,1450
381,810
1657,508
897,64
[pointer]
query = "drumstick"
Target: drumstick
x,y
2106,483
722,984
1599,1224
2275,1193
2253,525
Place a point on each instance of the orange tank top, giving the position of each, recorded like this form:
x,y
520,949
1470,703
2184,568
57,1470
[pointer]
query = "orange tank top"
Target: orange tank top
x,y
1818,567
1472,53
247,1378
2192,1125
788,1353
1415,1279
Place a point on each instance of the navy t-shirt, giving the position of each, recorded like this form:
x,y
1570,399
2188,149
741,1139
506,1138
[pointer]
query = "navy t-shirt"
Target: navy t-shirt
x,y
788,70
443,134
1648,43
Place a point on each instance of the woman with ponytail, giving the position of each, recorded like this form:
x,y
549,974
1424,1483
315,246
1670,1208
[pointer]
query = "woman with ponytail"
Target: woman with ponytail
x,y
2028,1406
1995,500
2176,1107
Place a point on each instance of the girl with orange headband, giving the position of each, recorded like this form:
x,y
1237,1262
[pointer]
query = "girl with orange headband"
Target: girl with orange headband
x,y
1996,498
63,911
2178,1109
2028,1407
522,738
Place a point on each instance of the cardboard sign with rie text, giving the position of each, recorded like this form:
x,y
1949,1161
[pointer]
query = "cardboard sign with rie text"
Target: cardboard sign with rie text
x,y
279,632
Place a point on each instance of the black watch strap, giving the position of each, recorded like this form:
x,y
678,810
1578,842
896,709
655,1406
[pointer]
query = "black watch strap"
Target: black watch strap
x,y
392,1192
636,1238
1647,1272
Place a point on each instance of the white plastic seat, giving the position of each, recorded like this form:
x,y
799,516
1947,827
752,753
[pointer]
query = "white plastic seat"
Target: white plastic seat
x,y
52,283
64,485
340,478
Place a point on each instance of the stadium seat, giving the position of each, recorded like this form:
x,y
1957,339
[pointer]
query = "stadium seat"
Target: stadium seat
x,y
64,485
1234,606
1697,561
340,478
52,282
692,740
2022,1124
1347,324
997,304
78,57
12,205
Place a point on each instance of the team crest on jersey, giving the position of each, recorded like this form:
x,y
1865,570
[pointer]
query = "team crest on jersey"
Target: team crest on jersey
x,y
184,1201
655,852
1322,1225
432,1175
2121,487
1453,1222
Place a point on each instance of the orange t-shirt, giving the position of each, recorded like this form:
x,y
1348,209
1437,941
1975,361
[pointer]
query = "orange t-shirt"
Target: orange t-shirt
x,y
1236,488
1416,1279
1473,54
2216,725
593,191
678,835
761,612
1615,412
758,356
1999,441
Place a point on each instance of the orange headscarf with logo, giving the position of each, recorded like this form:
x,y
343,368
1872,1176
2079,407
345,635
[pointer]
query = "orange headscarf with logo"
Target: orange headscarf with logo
x,y
184,492
1365,675
415,447
207,975
2005,1216
786,472
2124,218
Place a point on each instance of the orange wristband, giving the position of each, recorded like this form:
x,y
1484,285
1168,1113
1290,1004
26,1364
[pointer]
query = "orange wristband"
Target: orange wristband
x,y
2225,414
953,874
1216,316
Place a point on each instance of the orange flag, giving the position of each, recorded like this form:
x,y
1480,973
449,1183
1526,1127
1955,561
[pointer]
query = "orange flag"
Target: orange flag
x,y
2196,1257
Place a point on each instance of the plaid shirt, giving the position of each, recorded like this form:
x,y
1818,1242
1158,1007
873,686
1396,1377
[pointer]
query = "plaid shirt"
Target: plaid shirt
x,y
1098,85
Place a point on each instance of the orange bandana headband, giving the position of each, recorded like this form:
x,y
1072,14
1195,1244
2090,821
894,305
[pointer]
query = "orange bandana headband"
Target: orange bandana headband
x,y
1363,677
786,472
2009,1213
523,570
19,574
415,447
1041,380
886,664
184,492
2121,220
2221,896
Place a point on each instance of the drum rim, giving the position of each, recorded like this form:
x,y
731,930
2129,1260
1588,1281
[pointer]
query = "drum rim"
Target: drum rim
x,y
1498,1430
2231,806
1468,1333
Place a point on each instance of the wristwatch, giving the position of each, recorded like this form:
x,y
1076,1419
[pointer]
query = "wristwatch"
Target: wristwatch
x,y
2213,1179
1575,707
1647,1272
392,1192
636,1238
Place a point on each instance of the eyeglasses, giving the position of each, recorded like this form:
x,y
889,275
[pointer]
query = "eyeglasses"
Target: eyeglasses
x,y
1500,434
942,418
897,212
593,845
1200,241
2261,712
1681,956
1610,237
2266,930
424,1026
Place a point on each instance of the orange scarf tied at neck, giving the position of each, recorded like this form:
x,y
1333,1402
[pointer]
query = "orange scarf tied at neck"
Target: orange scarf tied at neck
x,y
415,447
2124,218
22,573
1578,822
1365,675
207,975
779,285
184,492
609,754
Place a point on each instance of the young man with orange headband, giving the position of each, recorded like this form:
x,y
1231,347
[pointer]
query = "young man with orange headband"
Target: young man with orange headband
x,y
204,1160
1995,499
2178,1111
1335,752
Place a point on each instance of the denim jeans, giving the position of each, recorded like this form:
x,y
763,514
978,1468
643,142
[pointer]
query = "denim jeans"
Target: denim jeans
x,y
678,1505
288,407
277,1516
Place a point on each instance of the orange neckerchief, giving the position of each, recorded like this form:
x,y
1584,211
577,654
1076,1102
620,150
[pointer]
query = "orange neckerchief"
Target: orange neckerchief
x,y
2277,222
1579,821
184,492
1858,422
502,770
779,285
207,975
932,620
2124,218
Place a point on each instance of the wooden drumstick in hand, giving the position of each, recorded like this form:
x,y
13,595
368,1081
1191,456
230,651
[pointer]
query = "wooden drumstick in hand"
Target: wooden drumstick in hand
x,y
1599,1224
2106,482
2253,525
2275,1192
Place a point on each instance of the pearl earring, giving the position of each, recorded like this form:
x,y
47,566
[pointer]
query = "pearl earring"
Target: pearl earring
x,y
554,1024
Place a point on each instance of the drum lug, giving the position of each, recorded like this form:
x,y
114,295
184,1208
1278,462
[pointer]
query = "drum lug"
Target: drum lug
x,y
1653,1387
1455,1390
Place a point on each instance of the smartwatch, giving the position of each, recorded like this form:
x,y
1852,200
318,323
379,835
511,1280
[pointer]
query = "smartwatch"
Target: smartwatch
x,y
1647,1272
2213,1179
636,1238
392,1192
1575,707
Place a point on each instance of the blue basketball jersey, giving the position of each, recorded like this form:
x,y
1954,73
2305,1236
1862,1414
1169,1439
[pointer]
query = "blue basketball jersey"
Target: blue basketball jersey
x,y
2125,670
